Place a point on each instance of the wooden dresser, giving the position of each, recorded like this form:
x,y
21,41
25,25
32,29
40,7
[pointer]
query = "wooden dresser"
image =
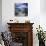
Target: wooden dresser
x,y
22,33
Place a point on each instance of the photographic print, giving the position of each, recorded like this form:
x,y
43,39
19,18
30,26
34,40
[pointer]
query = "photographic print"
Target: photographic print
x,y
21,9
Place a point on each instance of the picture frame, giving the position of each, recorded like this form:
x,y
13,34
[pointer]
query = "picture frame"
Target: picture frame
x,y
21,9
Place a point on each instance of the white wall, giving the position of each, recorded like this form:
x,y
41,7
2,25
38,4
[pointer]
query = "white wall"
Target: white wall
x,y
35,15
8,11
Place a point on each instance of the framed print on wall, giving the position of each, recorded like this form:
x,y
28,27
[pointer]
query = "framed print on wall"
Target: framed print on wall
x,y
21,9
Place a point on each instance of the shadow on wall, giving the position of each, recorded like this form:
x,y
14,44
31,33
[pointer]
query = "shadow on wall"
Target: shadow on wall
x,y
0,15
43,6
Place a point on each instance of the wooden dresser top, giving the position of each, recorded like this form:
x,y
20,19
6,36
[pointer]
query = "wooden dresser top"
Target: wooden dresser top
x,y
19,23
